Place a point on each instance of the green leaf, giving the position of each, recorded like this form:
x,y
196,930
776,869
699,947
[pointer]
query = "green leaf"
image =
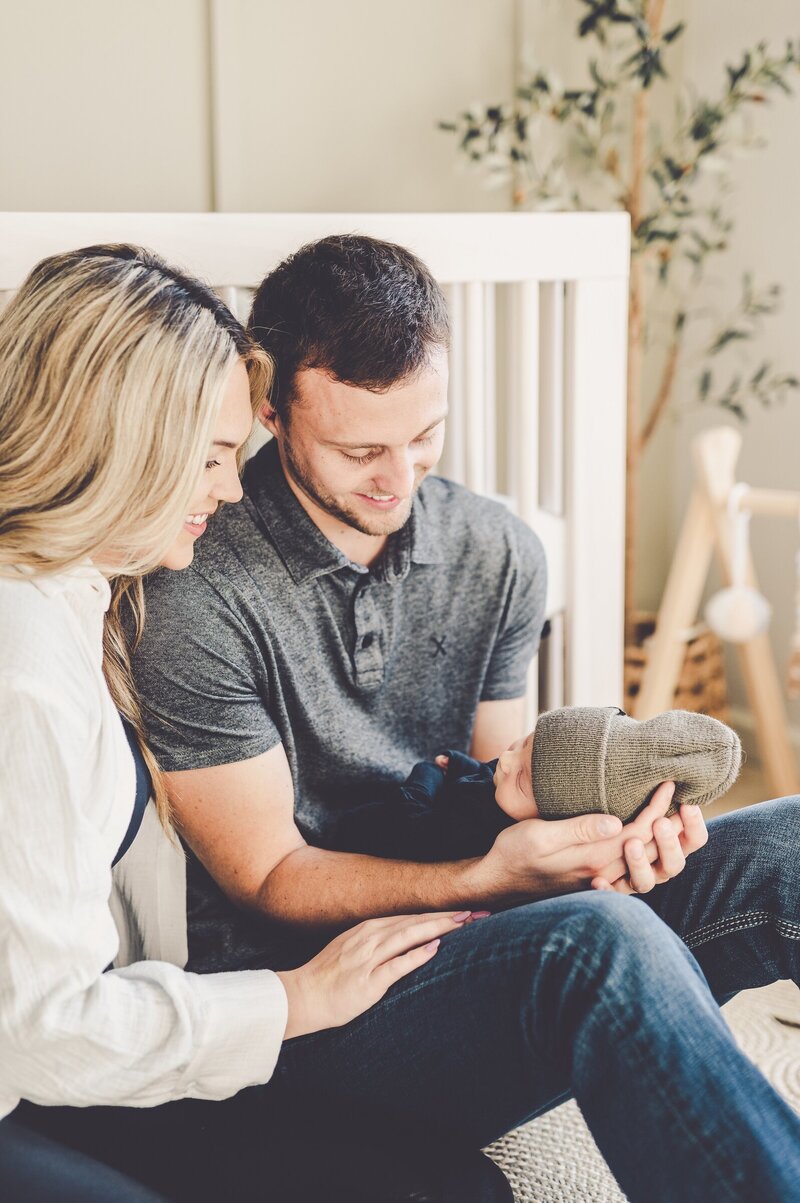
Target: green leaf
x,y
658,235
594,71
675,32
732,334
736,74
704,384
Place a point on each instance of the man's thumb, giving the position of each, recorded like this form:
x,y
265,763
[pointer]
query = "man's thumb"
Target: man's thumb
x,y
596,827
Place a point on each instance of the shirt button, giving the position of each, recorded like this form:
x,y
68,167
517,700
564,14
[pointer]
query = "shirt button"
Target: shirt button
x,y
367,640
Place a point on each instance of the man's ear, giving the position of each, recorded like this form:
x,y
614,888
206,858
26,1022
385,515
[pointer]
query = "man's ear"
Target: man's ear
x,y
268,418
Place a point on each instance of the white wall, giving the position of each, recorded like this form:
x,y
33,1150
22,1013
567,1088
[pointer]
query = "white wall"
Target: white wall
x,y
103,105
301,106
331,106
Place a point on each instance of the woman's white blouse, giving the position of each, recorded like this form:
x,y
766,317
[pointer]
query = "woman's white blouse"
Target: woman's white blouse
x,y
142,1033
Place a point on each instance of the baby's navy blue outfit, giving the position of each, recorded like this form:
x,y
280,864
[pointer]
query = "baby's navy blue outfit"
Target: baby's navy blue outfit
x,y
435,815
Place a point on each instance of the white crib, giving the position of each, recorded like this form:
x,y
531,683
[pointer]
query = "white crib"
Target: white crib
x,y
537,394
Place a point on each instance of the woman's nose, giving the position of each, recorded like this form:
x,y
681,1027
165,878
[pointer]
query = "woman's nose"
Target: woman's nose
x,y
228,487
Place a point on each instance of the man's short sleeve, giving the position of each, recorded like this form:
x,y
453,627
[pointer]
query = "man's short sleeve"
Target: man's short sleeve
x,y
200,680
523,617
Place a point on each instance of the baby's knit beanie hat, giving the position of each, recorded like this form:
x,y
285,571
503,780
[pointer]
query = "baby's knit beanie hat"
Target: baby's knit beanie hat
x,y
595,758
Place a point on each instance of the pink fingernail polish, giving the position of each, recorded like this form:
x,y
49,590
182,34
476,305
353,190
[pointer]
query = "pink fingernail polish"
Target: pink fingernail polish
x,y
434,944
481,914
461,916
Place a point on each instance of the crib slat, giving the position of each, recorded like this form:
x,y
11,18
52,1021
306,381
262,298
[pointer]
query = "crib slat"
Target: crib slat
x,y
533,700
551,397
523,427
595,488
230,296
554,679
474,386
453,462
490,415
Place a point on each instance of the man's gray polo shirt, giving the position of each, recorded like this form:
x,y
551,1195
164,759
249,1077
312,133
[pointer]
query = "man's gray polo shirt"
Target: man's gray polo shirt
x,y
274,636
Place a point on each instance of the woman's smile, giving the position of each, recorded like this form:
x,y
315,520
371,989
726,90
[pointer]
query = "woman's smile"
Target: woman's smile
x,y
196,524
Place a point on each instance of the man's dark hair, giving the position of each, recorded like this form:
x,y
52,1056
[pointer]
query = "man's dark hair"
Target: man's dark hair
x,y
366,312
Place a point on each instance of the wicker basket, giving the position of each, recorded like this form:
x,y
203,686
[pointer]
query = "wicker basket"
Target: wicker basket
x,y
701,685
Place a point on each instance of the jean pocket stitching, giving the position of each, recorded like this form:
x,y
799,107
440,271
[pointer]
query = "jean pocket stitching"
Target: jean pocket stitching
x,y
736,923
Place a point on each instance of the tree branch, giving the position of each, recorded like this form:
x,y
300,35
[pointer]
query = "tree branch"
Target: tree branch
x,y
664,392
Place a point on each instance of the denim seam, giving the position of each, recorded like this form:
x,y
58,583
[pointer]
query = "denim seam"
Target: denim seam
x,y
731,1188
736,923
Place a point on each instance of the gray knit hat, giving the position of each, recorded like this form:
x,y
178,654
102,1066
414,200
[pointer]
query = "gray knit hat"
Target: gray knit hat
x,y
592,758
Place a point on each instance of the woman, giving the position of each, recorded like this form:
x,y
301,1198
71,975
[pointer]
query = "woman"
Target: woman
x,y
117,375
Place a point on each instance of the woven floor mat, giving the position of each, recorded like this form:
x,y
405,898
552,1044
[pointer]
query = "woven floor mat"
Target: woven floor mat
x,y
554,1159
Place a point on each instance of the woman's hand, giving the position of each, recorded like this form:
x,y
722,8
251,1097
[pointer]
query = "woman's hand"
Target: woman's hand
x,y
356,969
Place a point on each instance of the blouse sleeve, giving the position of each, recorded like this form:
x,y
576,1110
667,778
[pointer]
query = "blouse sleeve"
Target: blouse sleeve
x,y
69,1032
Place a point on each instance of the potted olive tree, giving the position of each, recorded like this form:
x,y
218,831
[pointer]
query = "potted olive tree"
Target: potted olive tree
x,y
607,144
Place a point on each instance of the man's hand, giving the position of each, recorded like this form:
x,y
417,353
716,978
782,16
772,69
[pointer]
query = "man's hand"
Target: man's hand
x,y
655,848
538,858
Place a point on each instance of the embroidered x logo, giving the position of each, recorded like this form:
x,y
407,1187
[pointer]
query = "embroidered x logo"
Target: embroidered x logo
x,y
439,645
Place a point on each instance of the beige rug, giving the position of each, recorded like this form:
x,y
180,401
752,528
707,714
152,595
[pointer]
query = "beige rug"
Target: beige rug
x,y
554,1159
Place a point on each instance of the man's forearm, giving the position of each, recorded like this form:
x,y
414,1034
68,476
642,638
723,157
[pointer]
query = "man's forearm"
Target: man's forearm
x,y
313,886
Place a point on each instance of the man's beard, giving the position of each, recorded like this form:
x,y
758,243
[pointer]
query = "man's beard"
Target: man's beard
x,y
389,525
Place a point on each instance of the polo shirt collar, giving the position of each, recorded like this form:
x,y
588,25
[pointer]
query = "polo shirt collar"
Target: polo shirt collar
x,y
301,544
425,548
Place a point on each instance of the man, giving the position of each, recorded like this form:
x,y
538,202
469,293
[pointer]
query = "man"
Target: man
x,y
354,615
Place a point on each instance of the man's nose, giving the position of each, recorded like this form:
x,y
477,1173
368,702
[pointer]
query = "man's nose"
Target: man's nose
x,y
396,474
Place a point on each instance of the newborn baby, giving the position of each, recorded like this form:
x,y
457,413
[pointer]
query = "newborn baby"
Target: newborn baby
x,y
578,759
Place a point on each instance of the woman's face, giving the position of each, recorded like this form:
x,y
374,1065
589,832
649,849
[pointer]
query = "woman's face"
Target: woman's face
x,y
220,479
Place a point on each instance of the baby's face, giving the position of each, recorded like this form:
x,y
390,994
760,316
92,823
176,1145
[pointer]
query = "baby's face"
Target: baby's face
x,y
513,786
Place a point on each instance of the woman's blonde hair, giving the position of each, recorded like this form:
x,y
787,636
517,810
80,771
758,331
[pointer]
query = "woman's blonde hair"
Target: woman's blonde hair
x,y
112,370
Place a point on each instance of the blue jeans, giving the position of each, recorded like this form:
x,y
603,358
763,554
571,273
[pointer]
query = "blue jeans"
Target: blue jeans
x,y
35,1169
608,998
257,1147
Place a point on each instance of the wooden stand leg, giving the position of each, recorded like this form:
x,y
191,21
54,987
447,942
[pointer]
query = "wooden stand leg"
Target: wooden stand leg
x,y
687,576
706,529
772,729
715,454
